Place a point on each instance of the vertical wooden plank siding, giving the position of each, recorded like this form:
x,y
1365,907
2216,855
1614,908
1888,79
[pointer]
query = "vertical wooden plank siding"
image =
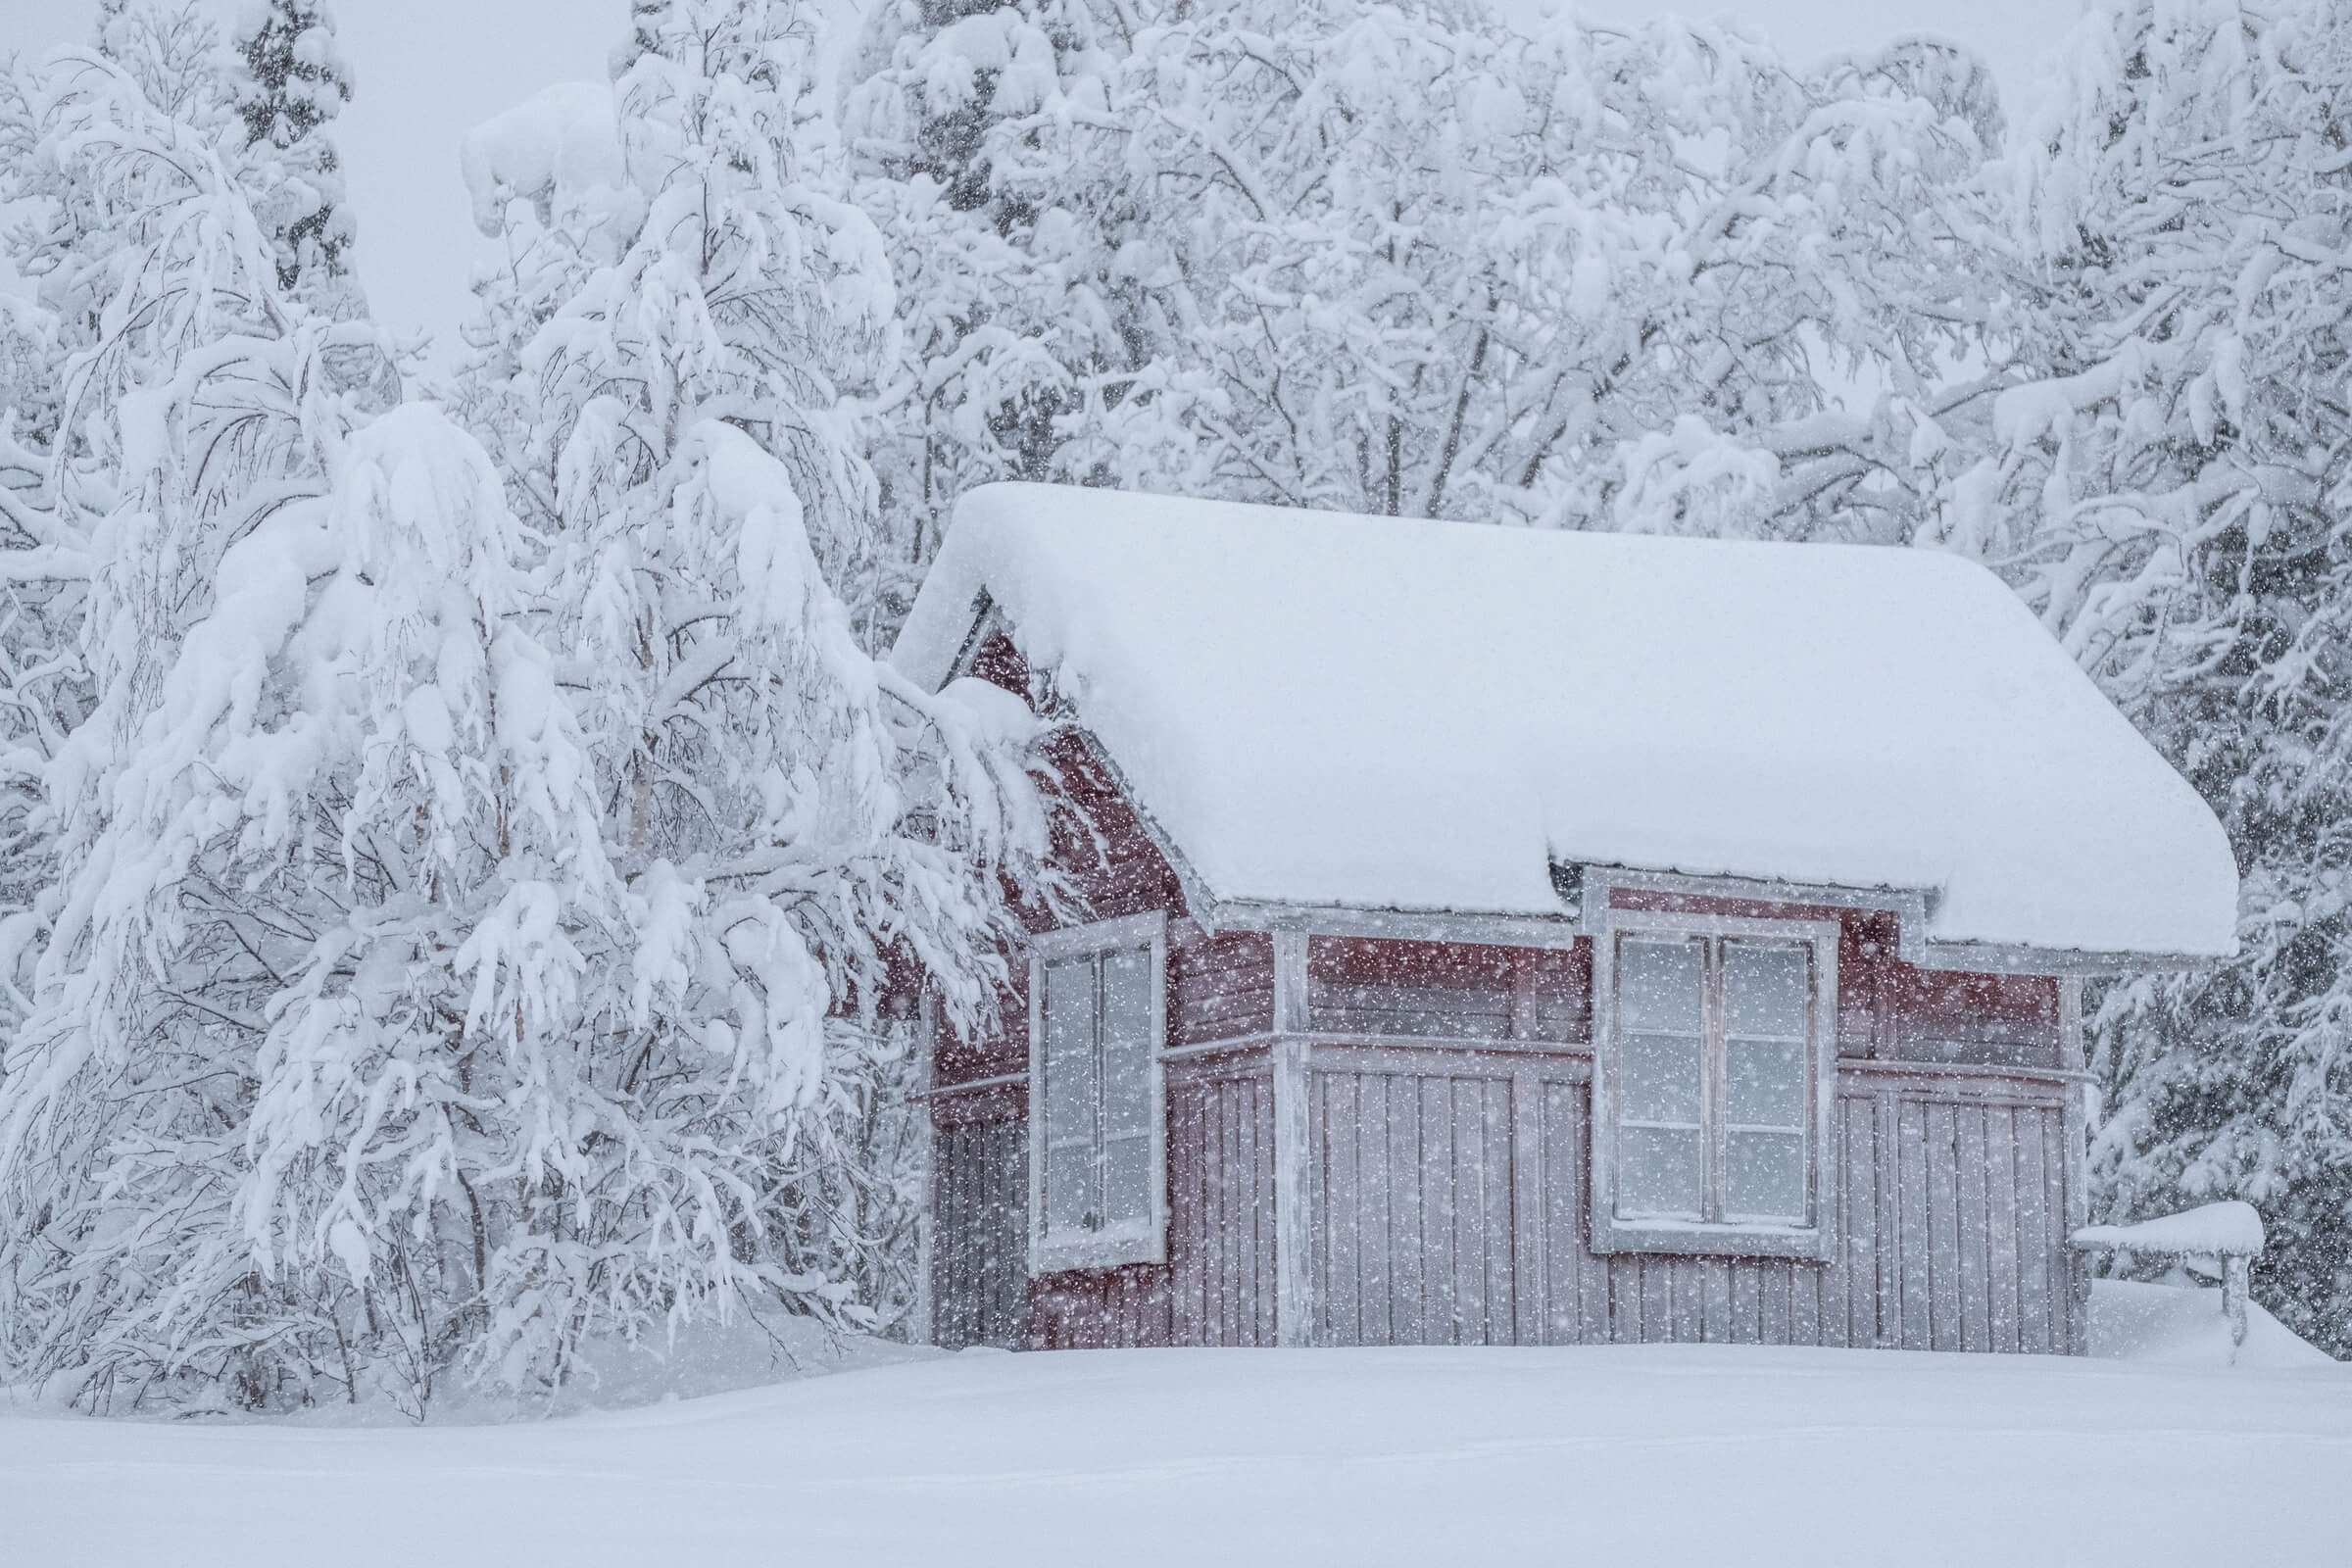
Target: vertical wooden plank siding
x,y
979,1264
2004,1199
1407,1250
1941,1151
1447,1206
1968,1172
1414,1192
1434,1199
2074,1154
1375,1296
1339,1205
1294,1156
1467,1192
1524,1156
2062,1151
1220,1210
1566,1314
2033,1228
1100,1309
1911,1221
1885,1321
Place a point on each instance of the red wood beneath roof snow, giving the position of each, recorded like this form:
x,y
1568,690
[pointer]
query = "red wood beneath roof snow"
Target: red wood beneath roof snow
x,y
1894,1010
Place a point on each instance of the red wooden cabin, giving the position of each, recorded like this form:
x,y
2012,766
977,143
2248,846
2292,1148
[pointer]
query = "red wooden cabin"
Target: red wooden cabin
x,y
1514,937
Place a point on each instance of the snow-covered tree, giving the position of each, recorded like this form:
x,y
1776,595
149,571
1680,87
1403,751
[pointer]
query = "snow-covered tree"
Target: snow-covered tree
x,y
1797,301
689,224
290,85
416,1002
101,184
1397,258
984,151
666,363
2169,488
191,407
173,52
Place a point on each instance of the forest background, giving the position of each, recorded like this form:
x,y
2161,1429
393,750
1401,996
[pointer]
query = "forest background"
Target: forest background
x,y
463,856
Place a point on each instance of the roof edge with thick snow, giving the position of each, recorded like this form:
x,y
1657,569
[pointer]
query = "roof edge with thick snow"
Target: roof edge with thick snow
x,y
1320,710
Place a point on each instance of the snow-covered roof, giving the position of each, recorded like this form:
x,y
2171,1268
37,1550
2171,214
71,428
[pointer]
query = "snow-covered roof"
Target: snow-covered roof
x,y
1382,714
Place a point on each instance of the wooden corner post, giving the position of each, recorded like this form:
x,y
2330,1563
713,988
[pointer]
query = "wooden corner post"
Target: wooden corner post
x,y
2070,1057
1294,1292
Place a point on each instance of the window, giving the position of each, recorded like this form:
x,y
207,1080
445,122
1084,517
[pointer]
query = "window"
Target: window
x,y
1097,1153
1712,1088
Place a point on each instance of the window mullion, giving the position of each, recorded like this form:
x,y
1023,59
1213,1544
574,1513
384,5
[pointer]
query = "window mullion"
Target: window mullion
x,y
1100,1148
1712,1072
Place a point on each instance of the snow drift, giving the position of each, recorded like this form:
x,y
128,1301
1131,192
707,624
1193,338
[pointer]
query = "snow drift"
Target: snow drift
x,y
1651,1454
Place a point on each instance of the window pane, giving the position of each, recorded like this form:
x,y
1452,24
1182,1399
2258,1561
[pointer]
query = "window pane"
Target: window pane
x,y
1657,1172
1069,1049
1127,1043
1127,1181
1070,1189
1657,986
1763,989
1660,1079
1766,1177
1767,1086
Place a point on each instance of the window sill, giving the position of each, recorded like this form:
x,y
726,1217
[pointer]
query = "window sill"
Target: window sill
x,y
1697,1239
1107,1252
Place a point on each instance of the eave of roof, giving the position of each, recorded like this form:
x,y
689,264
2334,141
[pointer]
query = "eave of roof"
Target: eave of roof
x,y
1047,548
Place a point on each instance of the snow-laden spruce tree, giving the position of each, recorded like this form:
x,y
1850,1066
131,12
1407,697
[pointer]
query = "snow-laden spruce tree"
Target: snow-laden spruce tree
x,y
666,361
290,84
982,143
2169,489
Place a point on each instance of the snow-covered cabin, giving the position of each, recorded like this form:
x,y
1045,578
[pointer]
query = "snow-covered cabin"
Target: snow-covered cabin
x,y
1507,936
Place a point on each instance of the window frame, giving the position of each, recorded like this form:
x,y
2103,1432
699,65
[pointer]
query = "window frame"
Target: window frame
x,y
1146,1243
1611,1233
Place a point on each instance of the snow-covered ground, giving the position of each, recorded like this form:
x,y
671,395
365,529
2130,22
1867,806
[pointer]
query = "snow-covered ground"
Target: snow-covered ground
x,y
1617,1456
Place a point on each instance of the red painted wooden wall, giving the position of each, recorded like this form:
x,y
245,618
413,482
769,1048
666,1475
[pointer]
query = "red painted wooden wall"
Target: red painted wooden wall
x,y
1449,1114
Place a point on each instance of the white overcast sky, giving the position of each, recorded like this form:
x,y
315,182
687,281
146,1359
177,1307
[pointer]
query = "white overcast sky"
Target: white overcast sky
x,y
427,71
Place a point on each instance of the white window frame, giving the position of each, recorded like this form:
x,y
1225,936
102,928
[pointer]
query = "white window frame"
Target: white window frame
x,y
1145,1244
1813,1240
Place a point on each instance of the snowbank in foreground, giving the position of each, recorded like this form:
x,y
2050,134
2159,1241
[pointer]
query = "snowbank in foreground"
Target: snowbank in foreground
x,y
1630,1456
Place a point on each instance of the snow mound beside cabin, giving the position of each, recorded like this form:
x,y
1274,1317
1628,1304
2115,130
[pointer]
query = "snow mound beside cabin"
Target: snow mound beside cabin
x,y
1660,1455
1387,713
2183,1326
